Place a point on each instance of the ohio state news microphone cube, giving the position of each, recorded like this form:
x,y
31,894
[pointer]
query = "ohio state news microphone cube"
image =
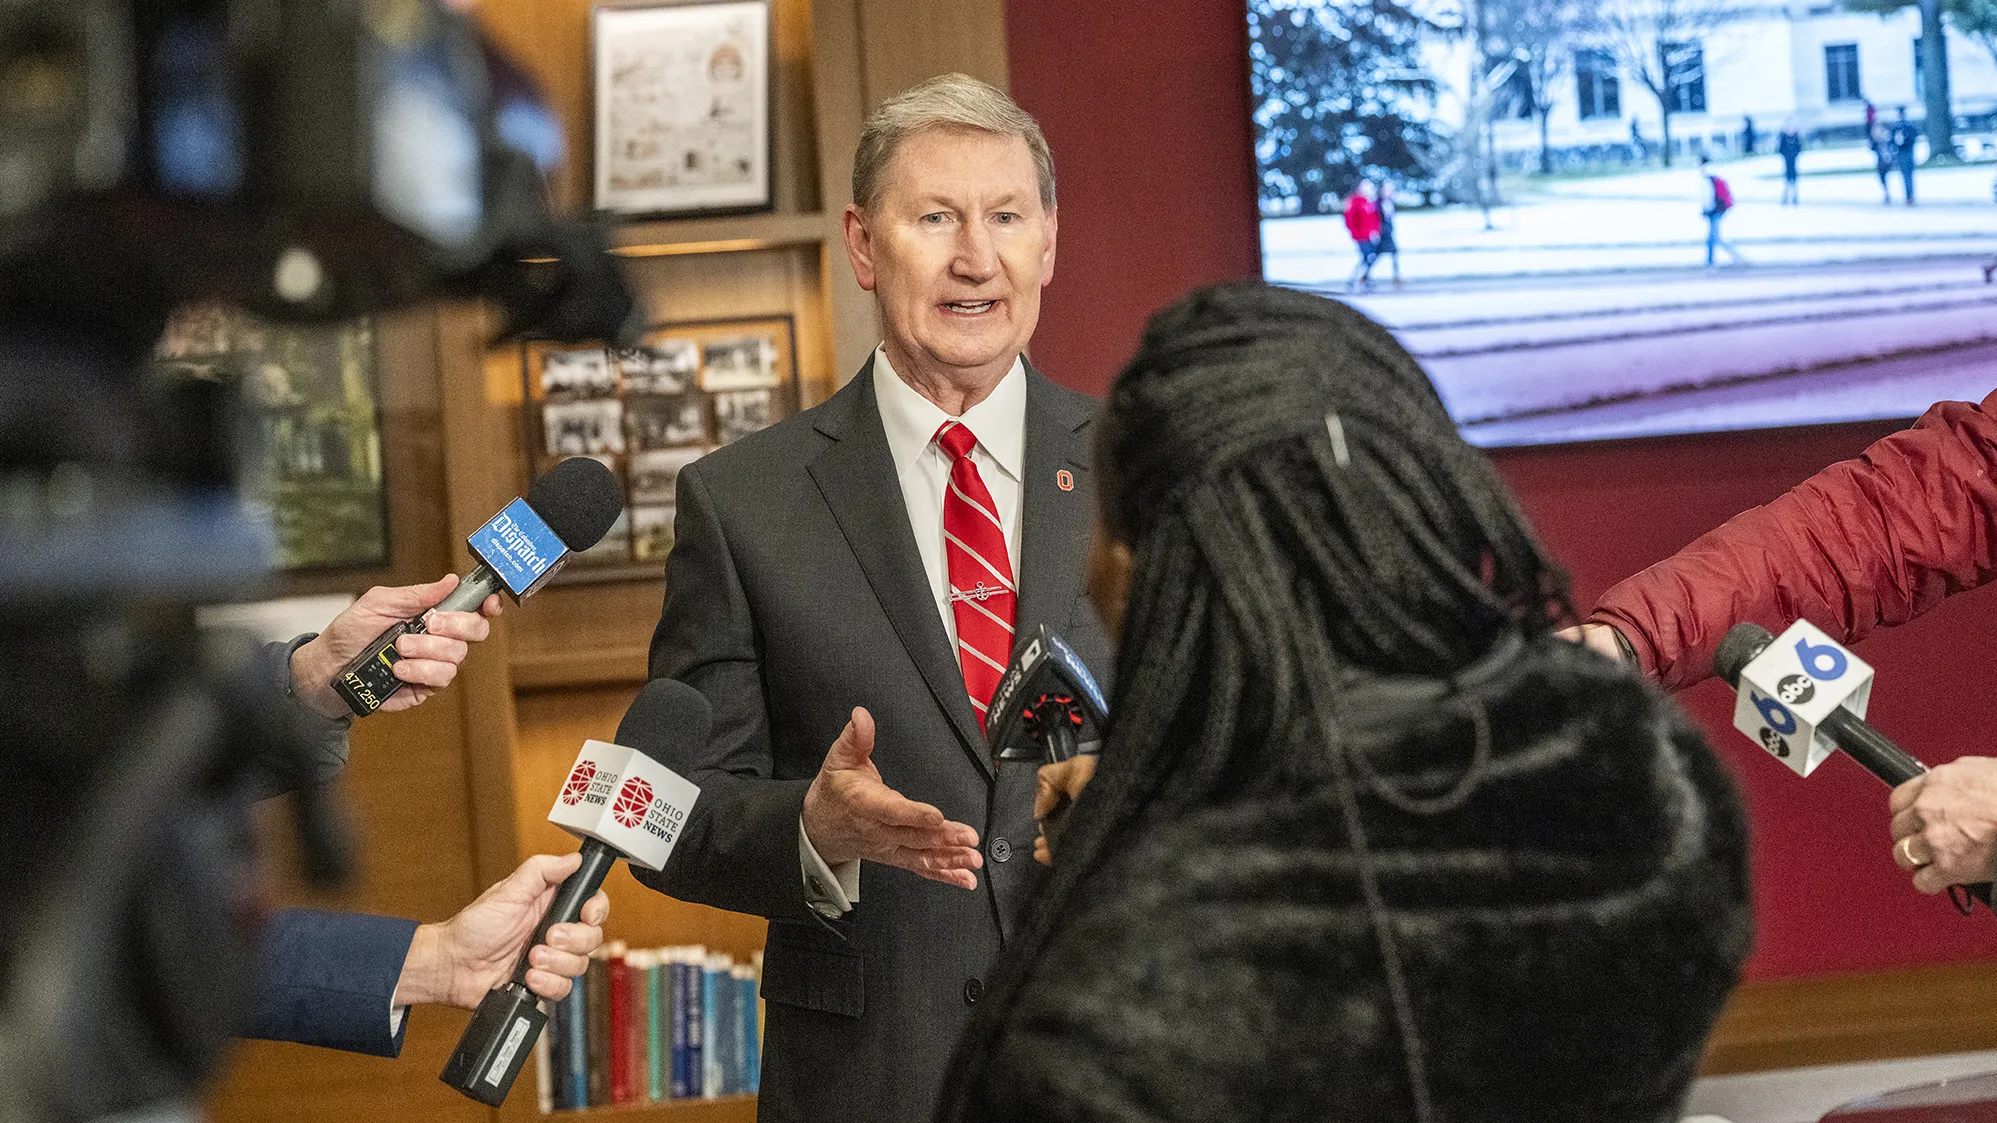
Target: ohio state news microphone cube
x,y
625,802
1788,691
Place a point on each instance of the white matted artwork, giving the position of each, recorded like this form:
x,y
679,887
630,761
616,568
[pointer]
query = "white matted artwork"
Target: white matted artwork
x,y
579,373
747,362
585,428
682,107
741,412
651,532
665,367
655,475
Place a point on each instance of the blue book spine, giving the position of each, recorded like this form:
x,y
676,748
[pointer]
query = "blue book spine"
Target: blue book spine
x,y
752,1075
730,1031
711,1038
570,1050
683,1030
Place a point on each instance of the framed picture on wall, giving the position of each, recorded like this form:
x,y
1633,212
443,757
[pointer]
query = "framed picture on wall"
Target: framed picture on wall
x,y
682,107
648,411
313,397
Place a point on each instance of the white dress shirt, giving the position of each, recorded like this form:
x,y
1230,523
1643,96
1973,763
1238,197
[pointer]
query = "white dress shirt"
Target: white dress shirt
x,y
923,470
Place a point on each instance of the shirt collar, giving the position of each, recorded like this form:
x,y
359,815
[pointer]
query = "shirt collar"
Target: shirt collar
x,y
911,420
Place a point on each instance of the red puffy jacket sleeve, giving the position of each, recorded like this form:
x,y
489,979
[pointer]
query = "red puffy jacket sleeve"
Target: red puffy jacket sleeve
x,y
1865,542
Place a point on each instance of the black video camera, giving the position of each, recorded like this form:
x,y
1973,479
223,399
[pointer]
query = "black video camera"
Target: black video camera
x,y
307,160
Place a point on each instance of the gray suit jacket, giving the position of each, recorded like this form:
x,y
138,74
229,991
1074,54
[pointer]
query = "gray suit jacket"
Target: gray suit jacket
x,y
794,592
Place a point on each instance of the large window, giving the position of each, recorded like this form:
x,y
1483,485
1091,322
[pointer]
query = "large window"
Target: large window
x,y
1599,92
1685,76
1841,72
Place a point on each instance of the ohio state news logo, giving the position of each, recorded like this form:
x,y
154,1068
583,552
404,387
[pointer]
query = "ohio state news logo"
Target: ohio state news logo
x,y
578,782
638,806
632,802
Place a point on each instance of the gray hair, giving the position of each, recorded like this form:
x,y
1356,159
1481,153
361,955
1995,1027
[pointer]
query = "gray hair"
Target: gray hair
x,y
945,101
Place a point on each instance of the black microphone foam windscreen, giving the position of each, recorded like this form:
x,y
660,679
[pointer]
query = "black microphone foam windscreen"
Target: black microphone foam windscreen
x,y
578,499
1742,643
667,715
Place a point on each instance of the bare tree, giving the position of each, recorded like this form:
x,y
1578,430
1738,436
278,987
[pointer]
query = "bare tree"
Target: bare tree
x,y
1540,35
1660,43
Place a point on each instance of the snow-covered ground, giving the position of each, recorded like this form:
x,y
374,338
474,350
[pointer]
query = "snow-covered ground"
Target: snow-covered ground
x,y
1652,220
1586,313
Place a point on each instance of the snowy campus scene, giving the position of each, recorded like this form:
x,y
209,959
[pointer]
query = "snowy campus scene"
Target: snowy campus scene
x,y
1698,212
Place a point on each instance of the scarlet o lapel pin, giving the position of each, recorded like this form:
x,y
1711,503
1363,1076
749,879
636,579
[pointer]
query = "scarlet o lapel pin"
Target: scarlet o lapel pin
x,y
1065,480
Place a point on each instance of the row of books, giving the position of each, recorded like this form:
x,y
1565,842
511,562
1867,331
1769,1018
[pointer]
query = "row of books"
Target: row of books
x,y
646,1025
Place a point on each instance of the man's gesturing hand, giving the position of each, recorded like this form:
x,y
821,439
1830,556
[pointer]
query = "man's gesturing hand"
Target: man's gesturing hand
x,y
1945,824
849,813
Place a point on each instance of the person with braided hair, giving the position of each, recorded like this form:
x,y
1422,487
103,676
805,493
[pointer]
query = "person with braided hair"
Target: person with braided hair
x,y
1366,841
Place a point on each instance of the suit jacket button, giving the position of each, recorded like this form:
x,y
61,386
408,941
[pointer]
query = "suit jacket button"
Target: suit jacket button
x,y
1001,850
973,990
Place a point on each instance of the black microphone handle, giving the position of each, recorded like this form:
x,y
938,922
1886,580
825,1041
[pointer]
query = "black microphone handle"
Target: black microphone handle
x,y
471,592
574,893
1871,748
368,679
1060,738
1878,755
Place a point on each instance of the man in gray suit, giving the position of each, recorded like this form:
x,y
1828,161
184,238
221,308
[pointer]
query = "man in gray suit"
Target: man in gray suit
x,y
842,589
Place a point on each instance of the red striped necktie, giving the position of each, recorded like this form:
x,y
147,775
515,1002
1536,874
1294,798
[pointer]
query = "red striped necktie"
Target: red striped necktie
x,y
982,593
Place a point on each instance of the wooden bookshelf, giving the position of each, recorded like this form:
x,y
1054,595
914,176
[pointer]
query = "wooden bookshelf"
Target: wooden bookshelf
x,y
727,1109
720,235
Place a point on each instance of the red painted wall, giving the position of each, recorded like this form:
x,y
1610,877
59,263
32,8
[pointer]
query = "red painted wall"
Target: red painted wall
x,y
1146,109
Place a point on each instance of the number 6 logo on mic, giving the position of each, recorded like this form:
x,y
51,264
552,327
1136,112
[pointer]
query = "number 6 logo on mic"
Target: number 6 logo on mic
x,y
1788,690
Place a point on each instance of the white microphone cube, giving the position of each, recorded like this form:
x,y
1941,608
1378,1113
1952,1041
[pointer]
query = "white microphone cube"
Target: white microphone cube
x,y
625,800
1788,691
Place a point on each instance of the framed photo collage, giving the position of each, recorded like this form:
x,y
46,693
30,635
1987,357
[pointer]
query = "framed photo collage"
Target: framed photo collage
x,y
649,411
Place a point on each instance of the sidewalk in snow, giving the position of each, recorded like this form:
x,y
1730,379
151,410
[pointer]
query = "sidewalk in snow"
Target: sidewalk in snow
x,y
1652,220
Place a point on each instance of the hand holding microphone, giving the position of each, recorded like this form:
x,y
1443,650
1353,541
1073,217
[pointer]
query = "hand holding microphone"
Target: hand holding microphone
x,y
428,660
566,512
1945,824
459,961
1803,696
623,804
1049,709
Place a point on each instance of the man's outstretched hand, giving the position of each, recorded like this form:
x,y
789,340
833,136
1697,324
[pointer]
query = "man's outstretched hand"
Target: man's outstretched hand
x,y
429,661
850,813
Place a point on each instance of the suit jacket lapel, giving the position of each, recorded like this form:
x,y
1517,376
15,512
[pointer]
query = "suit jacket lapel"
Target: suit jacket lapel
x,y
1054,536
857,478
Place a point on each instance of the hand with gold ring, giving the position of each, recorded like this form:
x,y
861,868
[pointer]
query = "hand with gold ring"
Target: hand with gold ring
x,y
1945,824
1903,855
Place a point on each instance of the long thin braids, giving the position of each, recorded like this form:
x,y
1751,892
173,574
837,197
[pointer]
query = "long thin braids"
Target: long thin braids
x,y
1299,508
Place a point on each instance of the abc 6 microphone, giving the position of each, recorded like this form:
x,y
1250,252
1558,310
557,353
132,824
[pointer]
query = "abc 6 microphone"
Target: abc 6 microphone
x,y
1803,696
566,512
623,804
1047,708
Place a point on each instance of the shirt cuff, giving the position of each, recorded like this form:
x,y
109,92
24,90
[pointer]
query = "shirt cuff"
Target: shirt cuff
x,y
830,892
395,1019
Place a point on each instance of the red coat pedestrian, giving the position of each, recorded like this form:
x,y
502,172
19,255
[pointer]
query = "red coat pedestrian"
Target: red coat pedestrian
x,y
1362,218
1867,542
